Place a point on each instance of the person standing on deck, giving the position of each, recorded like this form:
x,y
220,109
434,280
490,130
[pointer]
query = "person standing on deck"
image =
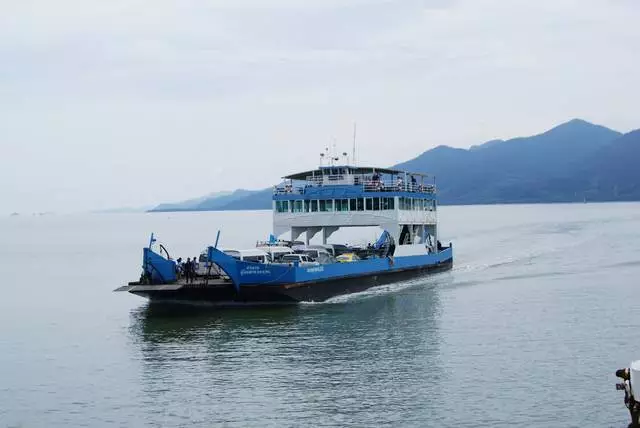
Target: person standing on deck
x,y
187,270
179,268
195,267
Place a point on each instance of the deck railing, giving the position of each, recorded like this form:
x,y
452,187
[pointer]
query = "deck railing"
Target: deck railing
x,y
388,186
366,185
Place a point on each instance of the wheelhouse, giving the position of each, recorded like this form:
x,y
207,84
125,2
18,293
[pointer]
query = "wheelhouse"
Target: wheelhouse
x,y
331,197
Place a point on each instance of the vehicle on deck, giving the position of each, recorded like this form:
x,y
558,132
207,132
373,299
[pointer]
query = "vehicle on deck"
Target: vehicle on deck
x,y
316,252
333,249
251,255
347,258
276,252
302,259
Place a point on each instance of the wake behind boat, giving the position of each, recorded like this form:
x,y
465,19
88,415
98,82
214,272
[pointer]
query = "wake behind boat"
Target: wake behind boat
x,y
323,200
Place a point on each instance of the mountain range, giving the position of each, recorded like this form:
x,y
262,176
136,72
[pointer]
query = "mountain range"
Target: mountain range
x,y
571,162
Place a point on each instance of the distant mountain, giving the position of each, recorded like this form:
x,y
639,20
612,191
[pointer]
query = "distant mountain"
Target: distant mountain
x,y
221,202
613,172
514,170
485,145
571,162
258,200
189,204
210,201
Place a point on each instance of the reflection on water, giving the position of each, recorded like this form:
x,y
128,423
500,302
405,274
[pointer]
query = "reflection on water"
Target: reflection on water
x,y
323,360
158,323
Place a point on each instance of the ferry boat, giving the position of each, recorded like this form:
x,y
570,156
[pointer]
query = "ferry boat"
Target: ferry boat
x,y
402,204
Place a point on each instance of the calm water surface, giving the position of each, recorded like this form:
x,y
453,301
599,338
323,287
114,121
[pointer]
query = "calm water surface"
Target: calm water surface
x,y
527,330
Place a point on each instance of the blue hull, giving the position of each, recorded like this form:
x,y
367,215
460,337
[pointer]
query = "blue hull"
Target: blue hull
x,y
228,294
255,282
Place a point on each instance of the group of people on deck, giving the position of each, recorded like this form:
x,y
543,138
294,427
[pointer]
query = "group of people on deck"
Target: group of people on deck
x,y
188,269
413,183
376,183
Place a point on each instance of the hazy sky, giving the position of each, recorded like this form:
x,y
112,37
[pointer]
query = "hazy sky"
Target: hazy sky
x,y
133,102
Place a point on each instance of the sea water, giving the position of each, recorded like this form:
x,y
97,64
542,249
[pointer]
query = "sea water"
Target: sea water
x,y
540,309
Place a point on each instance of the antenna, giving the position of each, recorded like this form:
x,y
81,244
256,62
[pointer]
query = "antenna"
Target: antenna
x,y
354,143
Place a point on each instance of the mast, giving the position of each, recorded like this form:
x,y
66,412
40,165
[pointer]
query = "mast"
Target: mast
x,y
354,144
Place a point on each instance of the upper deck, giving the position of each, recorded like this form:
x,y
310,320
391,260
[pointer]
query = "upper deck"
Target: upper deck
x,y
329,181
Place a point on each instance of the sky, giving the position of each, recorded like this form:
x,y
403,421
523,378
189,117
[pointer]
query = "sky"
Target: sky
x,y
128,103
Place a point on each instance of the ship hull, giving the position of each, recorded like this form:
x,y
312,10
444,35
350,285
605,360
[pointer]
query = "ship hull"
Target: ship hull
x,y
228,294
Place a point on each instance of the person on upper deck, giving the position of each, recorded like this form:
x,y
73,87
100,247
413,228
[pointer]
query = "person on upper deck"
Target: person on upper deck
x,y
399,183
413,183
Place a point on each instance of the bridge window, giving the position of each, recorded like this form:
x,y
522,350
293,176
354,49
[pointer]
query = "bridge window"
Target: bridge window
x,y
376,204
342,204
326,205
353,205
408,204
369,204
314,206
387,203
360,204
282,206
307,206
297,206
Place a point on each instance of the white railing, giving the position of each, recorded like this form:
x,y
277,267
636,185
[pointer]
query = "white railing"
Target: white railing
x,y
368,185
331,180
288,190
388,186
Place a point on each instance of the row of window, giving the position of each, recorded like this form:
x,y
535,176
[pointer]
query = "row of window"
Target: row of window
x,y
354,204
416,204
